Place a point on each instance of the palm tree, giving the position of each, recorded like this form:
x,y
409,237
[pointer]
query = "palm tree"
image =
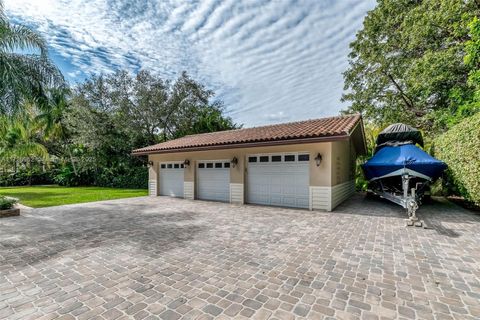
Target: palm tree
x,y
51,119
52,113
25,69
20,139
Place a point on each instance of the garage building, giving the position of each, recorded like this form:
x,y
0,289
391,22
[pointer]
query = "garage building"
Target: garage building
x,y
307,164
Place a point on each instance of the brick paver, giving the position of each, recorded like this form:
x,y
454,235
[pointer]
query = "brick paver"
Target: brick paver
x,y
163,258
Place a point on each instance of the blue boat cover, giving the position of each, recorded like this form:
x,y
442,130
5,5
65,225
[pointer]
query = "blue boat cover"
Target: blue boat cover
x,y
390,159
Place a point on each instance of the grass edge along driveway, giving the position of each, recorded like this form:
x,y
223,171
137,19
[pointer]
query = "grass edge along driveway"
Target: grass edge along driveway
x,y
48,196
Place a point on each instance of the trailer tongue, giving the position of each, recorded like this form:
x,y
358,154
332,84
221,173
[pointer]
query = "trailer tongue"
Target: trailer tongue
x,y
401,172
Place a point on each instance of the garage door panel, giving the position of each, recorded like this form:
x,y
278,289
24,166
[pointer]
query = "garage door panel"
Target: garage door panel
x,y
290,201
171,181
289,189
302,203
213,183
276,189
279,183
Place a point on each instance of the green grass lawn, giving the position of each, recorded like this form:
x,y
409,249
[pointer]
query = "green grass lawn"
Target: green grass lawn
x,y
47,196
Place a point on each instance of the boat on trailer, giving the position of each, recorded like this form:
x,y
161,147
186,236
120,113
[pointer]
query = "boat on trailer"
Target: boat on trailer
x,y
400,171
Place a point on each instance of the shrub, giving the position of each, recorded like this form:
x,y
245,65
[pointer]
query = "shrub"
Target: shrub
x,y
134,177
7,203
361,183
66,177
459,148
24,177
118,177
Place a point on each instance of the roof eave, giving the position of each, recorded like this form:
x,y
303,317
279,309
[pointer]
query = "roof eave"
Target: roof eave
x,y
247,144
359,125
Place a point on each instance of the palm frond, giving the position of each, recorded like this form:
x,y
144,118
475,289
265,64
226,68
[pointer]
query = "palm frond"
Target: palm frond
x,y
19,139
17,37
3,18
25,76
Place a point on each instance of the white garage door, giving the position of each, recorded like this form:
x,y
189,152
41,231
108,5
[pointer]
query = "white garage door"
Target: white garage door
x,y
171,179
279,180
213,180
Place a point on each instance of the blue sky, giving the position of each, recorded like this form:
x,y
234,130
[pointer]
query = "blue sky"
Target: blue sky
x,y
268,60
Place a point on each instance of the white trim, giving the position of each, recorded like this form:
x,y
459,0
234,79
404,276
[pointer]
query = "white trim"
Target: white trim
x,y
342,192
282,154
327,198
214,160
167,162
152,187
198,162
237,193
188,190
320,198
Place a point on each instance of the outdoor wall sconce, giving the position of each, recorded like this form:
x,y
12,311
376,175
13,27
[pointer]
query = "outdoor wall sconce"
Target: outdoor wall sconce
x,y
150,164
318,159
186,163
234,162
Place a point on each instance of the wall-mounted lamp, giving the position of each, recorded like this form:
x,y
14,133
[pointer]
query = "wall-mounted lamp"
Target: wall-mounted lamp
x,y
318,159
150,164
186,163
234,162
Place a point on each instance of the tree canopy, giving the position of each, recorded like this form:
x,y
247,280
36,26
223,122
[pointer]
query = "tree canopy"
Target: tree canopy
x,y
108,116
407,63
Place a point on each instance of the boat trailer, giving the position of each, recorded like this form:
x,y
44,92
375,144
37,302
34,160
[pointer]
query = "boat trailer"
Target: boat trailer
x,y
410,198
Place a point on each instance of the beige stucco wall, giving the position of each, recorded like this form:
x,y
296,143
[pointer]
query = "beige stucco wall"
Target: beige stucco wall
x,y
330,183
319,176
343,160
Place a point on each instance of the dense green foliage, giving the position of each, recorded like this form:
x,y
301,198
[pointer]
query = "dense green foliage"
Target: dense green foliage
x,y
371,133
7,203
112,115
418,62
407,63
85,136
472,60
24,176
459,148
47,196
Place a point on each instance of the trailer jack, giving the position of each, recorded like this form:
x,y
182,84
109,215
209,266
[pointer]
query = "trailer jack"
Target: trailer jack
x,y
408,198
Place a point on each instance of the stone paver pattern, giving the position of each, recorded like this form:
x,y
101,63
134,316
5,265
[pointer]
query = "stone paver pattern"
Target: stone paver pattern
x,y
165,258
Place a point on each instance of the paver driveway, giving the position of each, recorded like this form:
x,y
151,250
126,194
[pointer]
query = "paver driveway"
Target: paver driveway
x,y
170,258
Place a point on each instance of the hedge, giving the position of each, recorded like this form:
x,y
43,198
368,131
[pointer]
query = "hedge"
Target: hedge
x,y
132,177
25,177
459,148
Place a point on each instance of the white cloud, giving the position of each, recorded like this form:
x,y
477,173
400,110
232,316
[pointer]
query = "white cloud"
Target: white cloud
x,y
281,59
276,116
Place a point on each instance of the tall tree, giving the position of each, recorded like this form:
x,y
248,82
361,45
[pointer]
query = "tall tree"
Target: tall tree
x,y
406,64
111,115
25,69
153,108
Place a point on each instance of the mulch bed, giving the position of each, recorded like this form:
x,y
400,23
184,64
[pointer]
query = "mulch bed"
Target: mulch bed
x,y
9,213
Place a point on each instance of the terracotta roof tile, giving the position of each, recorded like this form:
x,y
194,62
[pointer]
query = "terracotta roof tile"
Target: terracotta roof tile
x,y
316,128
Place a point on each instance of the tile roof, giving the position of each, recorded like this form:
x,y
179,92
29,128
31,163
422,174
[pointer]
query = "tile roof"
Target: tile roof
x,y
317,128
